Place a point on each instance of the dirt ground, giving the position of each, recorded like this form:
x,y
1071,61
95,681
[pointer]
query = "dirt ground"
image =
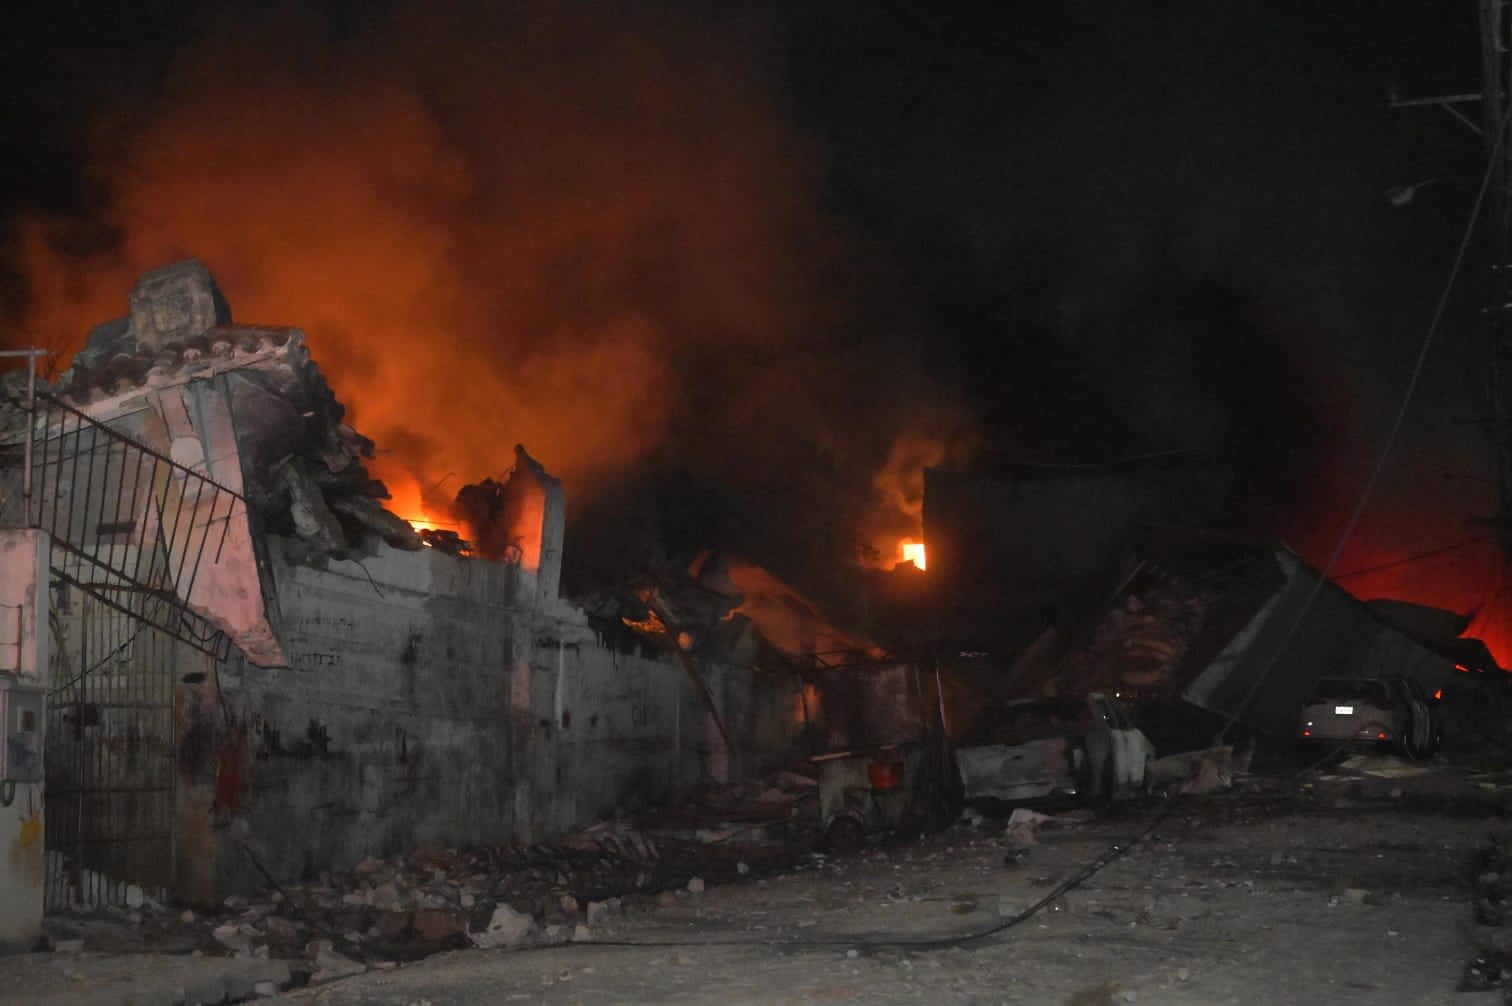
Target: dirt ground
x,y
1338,892
1348,885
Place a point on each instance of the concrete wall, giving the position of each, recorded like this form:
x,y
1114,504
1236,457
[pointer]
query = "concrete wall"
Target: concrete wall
x,y
25,652
423,701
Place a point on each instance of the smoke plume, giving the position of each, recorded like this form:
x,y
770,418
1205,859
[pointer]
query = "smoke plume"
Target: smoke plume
x,y
593,233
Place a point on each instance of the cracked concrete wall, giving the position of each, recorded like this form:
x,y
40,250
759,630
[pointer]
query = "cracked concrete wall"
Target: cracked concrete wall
x,y
425,700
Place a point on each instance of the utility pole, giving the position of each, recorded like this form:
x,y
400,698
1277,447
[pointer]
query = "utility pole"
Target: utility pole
x,y
1495,55
1495,103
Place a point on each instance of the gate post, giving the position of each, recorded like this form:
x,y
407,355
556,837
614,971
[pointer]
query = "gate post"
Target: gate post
x,y
24,656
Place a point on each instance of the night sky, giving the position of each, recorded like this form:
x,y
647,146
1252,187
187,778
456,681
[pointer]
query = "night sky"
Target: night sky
x,y
1026,231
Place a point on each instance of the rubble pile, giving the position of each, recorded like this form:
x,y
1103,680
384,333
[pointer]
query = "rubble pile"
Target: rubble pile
x,y
1147,636
389,911
1136,645
304,467
311,482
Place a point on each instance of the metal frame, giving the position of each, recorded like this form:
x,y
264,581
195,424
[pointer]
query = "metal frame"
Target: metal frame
x,y
111,761
114,508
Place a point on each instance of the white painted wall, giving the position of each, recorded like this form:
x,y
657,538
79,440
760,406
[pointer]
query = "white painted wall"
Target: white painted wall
x,y
24,650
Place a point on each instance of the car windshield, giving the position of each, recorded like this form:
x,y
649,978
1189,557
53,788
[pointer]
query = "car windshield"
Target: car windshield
x,y
1352,689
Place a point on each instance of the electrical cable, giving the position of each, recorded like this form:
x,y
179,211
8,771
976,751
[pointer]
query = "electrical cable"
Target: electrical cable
x,y
1392,433
1482,611
1111,854
1413,559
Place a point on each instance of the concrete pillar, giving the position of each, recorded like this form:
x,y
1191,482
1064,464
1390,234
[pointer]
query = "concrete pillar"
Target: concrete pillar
x,y
535,511
25,653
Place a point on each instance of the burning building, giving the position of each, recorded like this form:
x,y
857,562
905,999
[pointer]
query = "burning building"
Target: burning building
x,y
244,633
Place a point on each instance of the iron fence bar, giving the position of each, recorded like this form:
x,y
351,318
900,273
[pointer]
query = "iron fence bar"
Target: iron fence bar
x,y
152,509
204,539
213,641
80,755
185,510
104,496
166,538
171,528
137,511
116,435
102,525
82,513
131,531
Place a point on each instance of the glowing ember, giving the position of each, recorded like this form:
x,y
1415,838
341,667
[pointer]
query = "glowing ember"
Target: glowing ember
x,y
913,551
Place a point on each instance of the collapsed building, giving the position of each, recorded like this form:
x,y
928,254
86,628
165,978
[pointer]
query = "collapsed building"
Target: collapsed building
x,y
256,672
1063,581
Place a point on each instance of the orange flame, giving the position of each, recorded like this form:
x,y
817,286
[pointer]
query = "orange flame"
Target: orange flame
x,y
409,502
894,529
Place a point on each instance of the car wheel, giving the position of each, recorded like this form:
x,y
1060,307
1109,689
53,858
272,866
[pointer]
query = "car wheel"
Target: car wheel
x,y
845,836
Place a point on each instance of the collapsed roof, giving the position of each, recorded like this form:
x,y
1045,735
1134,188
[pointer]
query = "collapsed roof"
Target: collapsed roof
x,y
727,609
1244,638
303,466
236,430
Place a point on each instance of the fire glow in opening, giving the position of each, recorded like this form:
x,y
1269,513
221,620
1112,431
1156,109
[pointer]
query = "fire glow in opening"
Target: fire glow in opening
x,y
408,501
913,551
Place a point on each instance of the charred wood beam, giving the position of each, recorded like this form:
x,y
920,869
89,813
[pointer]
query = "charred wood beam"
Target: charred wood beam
x,y
369,514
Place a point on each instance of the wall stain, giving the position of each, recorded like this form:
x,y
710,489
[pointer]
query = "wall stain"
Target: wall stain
x,y
26,856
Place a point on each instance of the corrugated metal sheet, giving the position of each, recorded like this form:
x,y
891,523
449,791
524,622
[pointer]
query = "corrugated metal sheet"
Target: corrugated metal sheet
x,y
1303,633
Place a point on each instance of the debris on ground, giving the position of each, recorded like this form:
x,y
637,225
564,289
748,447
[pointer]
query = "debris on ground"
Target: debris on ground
x,y
1195,773
1491,967
1023,827
1382,766
1490,970
391,910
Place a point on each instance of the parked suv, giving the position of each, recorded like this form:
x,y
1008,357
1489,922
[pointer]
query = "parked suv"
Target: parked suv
x,y
1391,712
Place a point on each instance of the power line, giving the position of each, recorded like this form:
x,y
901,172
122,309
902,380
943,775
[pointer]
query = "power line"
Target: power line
x,y
1412,559
1392,433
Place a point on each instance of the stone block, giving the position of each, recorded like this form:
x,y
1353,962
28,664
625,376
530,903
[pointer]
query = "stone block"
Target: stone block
x,y
175,303
507,928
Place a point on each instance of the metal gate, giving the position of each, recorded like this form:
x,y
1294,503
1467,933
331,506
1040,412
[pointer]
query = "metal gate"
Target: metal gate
x,y
110,755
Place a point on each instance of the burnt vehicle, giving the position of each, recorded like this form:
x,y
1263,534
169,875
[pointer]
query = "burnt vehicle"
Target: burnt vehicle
x,y
1394,712
885,765
1086,747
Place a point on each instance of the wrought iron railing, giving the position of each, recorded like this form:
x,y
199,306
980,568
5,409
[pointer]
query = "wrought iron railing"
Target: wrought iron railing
x,y
129,526
111,768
